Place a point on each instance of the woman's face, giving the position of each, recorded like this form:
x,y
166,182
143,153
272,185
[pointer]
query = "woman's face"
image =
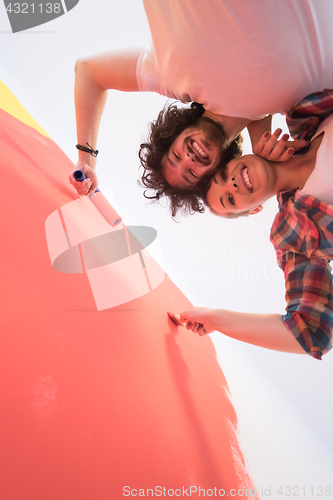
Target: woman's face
x,y
246,183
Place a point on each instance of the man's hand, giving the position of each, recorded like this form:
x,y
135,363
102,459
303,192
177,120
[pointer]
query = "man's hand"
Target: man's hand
x,y
272,148
88,185
199,320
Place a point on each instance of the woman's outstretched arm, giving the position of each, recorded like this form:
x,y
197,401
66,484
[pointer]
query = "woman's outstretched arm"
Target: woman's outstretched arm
x,y
263,330
307,325
94,75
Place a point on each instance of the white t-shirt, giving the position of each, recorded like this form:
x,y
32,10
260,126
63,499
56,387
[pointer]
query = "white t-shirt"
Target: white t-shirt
x,y
239,58
320,182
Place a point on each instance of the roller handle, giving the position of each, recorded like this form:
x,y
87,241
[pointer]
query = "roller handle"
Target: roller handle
x,y
79,176
100,202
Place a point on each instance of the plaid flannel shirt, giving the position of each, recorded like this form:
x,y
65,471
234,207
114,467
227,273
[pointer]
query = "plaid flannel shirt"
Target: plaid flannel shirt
x,y
302,235
304,119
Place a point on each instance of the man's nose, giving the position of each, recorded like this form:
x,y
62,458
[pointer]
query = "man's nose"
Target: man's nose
x,y
189,157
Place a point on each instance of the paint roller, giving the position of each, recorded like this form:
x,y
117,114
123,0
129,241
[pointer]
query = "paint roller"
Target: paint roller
x,y
113,218
100,202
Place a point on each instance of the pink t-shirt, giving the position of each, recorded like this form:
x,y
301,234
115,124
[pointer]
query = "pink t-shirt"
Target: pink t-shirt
x,y
320,183
239,58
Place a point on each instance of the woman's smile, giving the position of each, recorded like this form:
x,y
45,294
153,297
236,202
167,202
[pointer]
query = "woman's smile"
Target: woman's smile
x,y
246,182
246,178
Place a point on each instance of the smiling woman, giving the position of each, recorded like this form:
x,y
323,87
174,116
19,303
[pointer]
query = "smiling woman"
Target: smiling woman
x,y
241,187
302,235
247,182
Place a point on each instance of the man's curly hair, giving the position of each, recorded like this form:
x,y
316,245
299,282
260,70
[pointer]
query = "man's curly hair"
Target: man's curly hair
x,y
170,123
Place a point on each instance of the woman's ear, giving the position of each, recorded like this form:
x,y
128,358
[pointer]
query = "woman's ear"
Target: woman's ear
x,y
256,210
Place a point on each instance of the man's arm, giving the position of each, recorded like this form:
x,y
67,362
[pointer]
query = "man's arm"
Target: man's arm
x,y
257,128
93,77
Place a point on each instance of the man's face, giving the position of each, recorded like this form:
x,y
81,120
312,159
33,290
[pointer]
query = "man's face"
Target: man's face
x,y
195,151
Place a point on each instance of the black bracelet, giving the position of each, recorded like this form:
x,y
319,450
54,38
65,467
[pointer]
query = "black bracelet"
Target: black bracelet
x,y
89,150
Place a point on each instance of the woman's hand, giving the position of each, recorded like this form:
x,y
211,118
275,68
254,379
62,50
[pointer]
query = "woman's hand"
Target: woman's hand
x,y
88,185
199,320
272,148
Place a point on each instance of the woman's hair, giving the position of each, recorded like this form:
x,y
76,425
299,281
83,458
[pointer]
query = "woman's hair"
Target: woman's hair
x,y
170,123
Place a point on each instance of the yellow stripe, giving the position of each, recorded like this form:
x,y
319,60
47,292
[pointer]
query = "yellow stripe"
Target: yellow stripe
x,y
9,103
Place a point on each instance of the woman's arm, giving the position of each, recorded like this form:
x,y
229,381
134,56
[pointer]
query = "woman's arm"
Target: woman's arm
x,y
268,145
309,307
264,142
93,77
263,330
306,328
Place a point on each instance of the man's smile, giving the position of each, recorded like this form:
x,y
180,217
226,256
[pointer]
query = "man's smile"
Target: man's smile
x,y
199,150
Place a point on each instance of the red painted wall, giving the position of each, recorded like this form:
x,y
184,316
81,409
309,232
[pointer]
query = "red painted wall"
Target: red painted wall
x,y
93,401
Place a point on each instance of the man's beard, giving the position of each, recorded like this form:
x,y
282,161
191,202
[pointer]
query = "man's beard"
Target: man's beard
x,y
213,131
